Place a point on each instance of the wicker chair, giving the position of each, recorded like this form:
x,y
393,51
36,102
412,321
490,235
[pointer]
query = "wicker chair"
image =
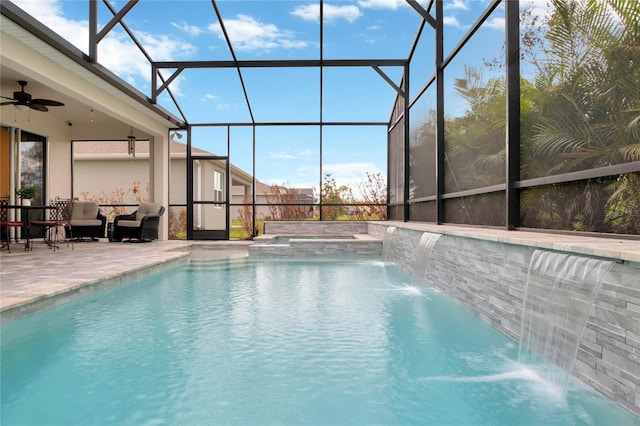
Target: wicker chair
x,y
139,226
87,221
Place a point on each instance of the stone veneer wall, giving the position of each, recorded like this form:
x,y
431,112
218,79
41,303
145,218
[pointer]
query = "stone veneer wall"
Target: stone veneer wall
x,y
329,248
362,246
325,227
488,278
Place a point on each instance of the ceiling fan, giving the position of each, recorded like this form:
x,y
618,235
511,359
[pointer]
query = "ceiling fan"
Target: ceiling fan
x,y
23,101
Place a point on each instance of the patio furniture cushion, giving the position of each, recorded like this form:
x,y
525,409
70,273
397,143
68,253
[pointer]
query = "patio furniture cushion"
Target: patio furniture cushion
x,y
84,211
87,220
143,210
129,223
146,209
140,225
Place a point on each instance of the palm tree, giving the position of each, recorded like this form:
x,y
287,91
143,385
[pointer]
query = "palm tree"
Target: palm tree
x,y
586,110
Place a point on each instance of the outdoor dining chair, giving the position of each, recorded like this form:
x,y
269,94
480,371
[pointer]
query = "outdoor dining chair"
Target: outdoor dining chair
x,y
6,223
57,224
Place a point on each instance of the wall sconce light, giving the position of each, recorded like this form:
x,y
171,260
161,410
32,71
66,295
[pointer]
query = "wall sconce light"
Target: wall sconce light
x,y
132,143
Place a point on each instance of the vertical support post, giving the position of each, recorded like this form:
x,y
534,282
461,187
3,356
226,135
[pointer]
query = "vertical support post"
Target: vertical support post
x,y
253,181
440,146
320,189
227,188
159,171
93,30
512,148
388,200
189,186
406,136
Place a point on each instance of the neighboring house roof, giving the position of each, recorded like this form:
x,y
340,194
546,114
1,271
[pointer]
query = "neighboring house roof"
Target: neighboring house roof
x,y
117,150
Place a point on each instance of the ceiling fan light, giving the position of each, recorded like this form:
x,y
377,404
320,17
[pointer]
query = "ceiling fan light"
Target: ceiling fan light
x,y
22,107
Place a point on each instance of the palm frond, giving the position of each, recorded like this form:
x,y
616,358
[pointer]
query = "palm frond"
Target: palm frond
x,y
631,152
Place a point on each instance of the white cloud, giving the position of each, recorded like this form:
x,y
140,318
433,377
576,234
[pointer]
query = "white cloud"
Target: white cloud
x,y
122,56
305,170
381,4
539,8
496,23
209,97
311,12
458,4
116,51
451,21
189,29
163,47
50,14
246,33
349,170
306,153
352,175
282,156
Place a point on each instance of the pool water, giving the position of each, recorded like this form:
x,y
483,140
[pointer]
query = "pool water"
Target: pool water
x,y
260,342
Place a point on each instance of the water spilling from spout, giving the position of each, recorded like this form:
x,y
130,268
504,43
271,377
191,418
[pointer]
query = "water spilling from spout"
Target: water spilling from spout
x,y
559,294
386,243
423,255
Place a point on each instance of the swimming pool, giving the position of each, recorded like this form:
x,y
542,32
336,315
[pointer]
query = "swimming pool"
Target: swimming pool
x,y
267,341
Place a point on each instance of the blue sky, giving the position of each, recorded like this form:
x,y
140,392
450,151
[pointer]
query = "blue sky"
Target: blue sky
x,y
277,30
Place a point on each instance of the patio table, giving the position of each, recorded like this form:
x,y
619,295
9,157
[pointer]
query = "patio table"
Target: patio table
x,y
25,218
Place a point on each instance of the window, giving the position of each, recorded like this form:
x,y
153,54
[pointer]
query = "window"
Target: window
x,y
218,187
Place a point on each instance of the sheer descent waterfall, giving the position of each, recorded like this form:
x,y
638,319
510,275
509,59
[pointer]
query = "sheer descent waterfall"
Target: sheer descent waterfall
x,y
559,294
423,254
386,243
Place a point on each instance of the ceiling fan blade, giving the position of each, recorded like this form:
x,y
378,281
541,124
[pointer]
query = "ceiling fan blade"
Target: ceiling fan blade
x,y
8,103
6,97
38,107
47,102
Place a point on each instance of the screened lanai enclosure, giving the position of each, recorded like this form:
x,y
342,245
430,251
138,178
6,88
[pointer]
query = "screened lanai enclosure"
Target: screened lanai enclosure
x,y
508,114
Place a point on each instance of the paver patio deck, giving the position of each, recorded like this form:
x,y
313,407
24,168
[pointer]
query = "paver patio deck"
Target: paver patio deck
x,y
31,280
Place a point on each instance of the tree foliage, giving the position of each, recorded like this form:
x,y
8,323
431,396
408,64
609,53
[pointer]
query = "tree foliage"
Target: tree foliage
x,y
366,200
585,113
580,110
284,203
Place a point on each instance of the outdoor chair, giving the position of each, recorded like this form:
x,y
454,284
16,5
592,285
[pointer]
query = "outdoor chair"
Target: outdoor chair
x,y
6,224
139,226
57,226
87,221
